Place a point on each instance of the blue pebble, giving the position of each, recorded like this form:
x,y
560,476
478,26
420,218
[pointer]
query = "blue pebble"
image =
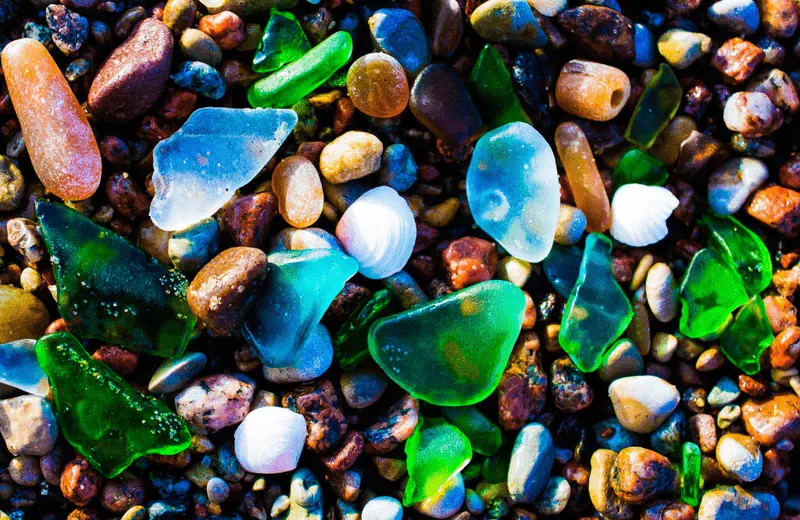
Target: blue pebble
x,y
167,510
397,32
200,77
737,16
645,46
399,169
227,466
667,438
168,487
619,440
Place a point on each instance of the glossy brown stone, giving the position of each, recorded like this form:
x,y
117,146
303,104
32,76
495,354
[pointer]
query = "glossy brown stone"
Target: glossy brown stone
x,y
80,482
246,219
469,260
736,60
667,510
122,493
778,208
127,198
447,29
319,404
640,474
347,454
522,391
120,360
772,420
785,348
599,32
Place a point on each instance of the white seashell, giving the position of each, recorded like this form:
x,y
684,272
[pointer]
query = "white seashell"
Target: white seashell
x,y
639,214
548,8
378,231
270,440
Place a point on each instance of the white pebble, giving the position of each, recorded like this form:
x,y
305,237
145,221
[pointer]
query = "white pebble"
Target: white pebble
x,y
642,403
382,508
731,184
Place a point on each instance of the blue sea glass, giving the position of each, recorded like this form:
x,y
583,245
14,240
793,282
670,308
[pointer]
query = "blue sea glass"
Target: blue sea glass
x,y
20,369
562,267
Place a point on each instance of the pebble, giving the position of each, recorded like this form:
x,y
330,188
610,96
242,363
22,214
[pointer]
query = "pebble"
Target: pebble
x,y
350,156
196,45
226,28
23,235
192,248
773,420
778,18
600,33
24,470
508,21
214,402
601,493
447,27
446,502
532,459
382,508
623,360
731,184
554,498
246,219
201,78
455,122
179,15
393,427
522,391
736,503
175,373
318,402
778,208
666,439
398,33
682,48
135,513
640,474
398,169
292,239
28,425
80,483
571,225
740,456
571,391
643,412
217,490
377,85
220,293
785,348
297,185
270,440
12,185
122,493
662,292
737,16
468,261
363,388
610,435
69,29
312,360
663,347
724,392
644,45
134,76
752,114
514,270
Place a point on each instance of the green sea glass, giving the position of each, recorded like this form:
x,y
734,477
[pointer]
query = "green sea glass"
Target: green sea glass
x,y
298,290
638,167
295,81
350,342
709,292
657,106
748,336
100,414
451,351
691,478
562,267
494,469
741,249
435,453
491,89
110,290
282,43
483,434
598,311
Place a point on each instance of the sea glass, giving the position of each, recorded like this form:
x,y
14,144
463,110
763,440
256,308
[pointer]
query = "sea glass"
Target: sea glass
x,y
295,81
513,190
59,140
297,292
691,478
748,336
657,106
216,152
20,369
451,351
638,167
435,453
100,414
584,178
283,42
484,435
562,267
597,312
350,341
110,290
741,249
709,292
490,85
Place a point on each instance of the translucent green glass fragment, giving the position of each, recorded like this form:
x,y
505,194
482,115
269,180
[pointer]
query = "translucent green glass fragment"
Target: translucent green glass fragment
x,y
491,89
691,478
350,342
741,249
638,167
483,434
282,43
748,336
656,107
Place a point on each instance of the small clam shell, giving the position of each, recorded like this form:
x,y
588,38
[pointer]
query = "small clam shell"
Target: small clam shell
x,y
378,231
548,7
640,213
270,440
662,292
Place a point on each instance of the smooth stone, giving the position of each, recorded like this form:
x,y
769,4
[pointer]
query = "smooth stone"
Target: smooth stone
x,y
732,183
666,439
508,21
350,156
270,440
740,456
193,247
554,498
399,169
28,425
724,392
571,225
398,32
601,493
737,16
446,502
201,78
644,45
624,359
736,503
513,190
531,461
20,369
382,508
174,374
642,412
455,122
216,152
618,439
293,239
362,388
313,359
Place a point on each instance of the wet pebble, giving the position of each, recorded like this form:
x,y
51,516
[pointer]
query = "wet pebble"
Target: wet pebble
x,y
736,503
778,208
469,260
447,500
532,459
554,498
377,85
600,33
382,508
196,45
682,48
455,122
737,16
312,359
640,474
508,21
724,392
80,483
752,114
24,470
69,29
12,185
731,184
214,402
363,388
28,425
772,420
398,33
175,373
393,427
192,248
642,412
297,185
601,493
610,435
319,403
350,156
571,225
661,289
571,391
666,439
398,169
217,490
740,456
201,78
623,360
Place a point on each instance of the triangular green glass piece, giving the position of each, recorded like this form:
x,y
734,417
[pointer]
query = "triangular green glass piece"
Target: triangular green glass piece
x,y
748,336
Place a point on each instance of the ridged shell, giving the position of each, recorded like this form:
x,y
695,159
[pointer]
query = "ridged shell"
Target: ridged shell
x,y
270,440
548,7
640,213
378,231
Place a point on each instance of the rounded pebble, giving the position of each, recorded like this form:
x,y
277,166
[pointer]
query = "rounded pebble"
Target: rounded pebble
x,y
350,156
642,412
377,85
554,498
623,360
312,360
532,459
731,185
571,225
192,248
382,508
446,502
217,490
298,187
174,374
740,456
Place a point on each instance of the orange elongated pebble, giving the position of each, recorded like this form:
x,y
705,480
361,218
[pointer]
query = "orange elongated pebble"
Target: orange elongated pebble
x,y
57,134
584,178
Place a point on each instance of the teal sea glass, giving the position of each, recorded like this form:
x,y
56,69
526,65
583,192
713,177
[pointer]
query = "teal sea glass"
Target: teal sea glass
x,y
562,268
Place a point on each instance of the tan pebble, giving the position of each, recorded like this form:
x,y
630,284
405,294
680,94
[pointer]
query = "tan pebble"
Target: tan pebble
x,y
601,493
668,145
664,346
592,90
640,273
198,46
662,292
710,360
441,214
298,187
350,156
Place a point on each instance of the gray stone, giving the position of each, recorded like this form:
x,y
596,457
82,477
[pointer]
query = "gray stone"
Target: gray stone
x,y
362,388
725,392
554,498
174,374
624,360
738,16
28,425
531,461
642,403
